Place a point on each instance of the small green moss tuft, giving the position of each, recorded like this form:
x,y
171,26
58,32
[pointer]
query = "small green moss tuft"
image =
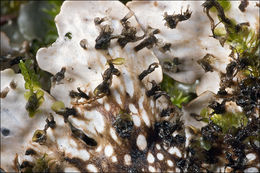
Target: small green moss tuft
x,y
226,121
58,106
35,95
179,93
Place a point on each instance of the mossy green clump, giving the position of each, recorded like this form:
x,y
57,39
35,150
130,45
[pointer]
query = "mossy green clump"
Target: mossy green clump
x,y
226,121
41,164
35,95
243,40
178,92
58,106
52,33
11,6
224,3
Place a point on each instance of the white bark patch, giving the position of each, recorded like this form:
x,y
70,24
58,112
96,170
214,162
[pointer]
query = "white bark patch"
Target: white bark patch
x,y
251,170
73,151
141,142
170,163
96,121
107,106
99,149
92,168
71,169
140,102
205,85
152,105
136,120
133,109
109,150
177,170
145,118
251,157
175,150
127,159
113,134
160,156
150,158
128,82
117,96
84,155
151,169
114,159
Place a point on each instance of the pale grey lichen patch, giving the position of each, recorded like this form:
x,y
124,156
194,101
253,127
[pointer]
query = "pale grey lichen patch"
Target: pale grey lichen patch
x,y
16,119
191,39
87,66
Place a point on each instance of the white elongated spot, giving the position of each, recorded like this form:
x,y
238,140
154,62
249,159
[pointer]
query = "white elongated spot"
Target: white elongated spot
x,y
151,169
128,82
159,156
114,159
251,157
109,150
100,101
107,106
152,105
127,159
92,168
99,122
113,134
141,142
145,118
136,120
51,135
96,123
133,108
177,170
117,96
251,170
158,146
165,147
84,155
140,102
170,163
73,143
174,150
74,152
99,148
150,158
71,169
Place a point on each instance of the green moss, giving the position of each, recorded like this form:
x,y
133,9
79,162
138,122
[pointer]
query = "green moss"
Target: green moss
x,y
35,95
224,3
205,144
11,6
226,121
118,61
242,38
41,164
179,93
52,33
58,106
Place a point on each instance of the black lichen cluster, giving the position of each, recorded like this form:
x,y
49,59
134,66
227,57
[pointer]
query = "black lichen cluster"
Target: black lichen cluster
x,y
164,131
150,69
128,33
104,88
241,85
124,125
173,20
248,95
148,42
